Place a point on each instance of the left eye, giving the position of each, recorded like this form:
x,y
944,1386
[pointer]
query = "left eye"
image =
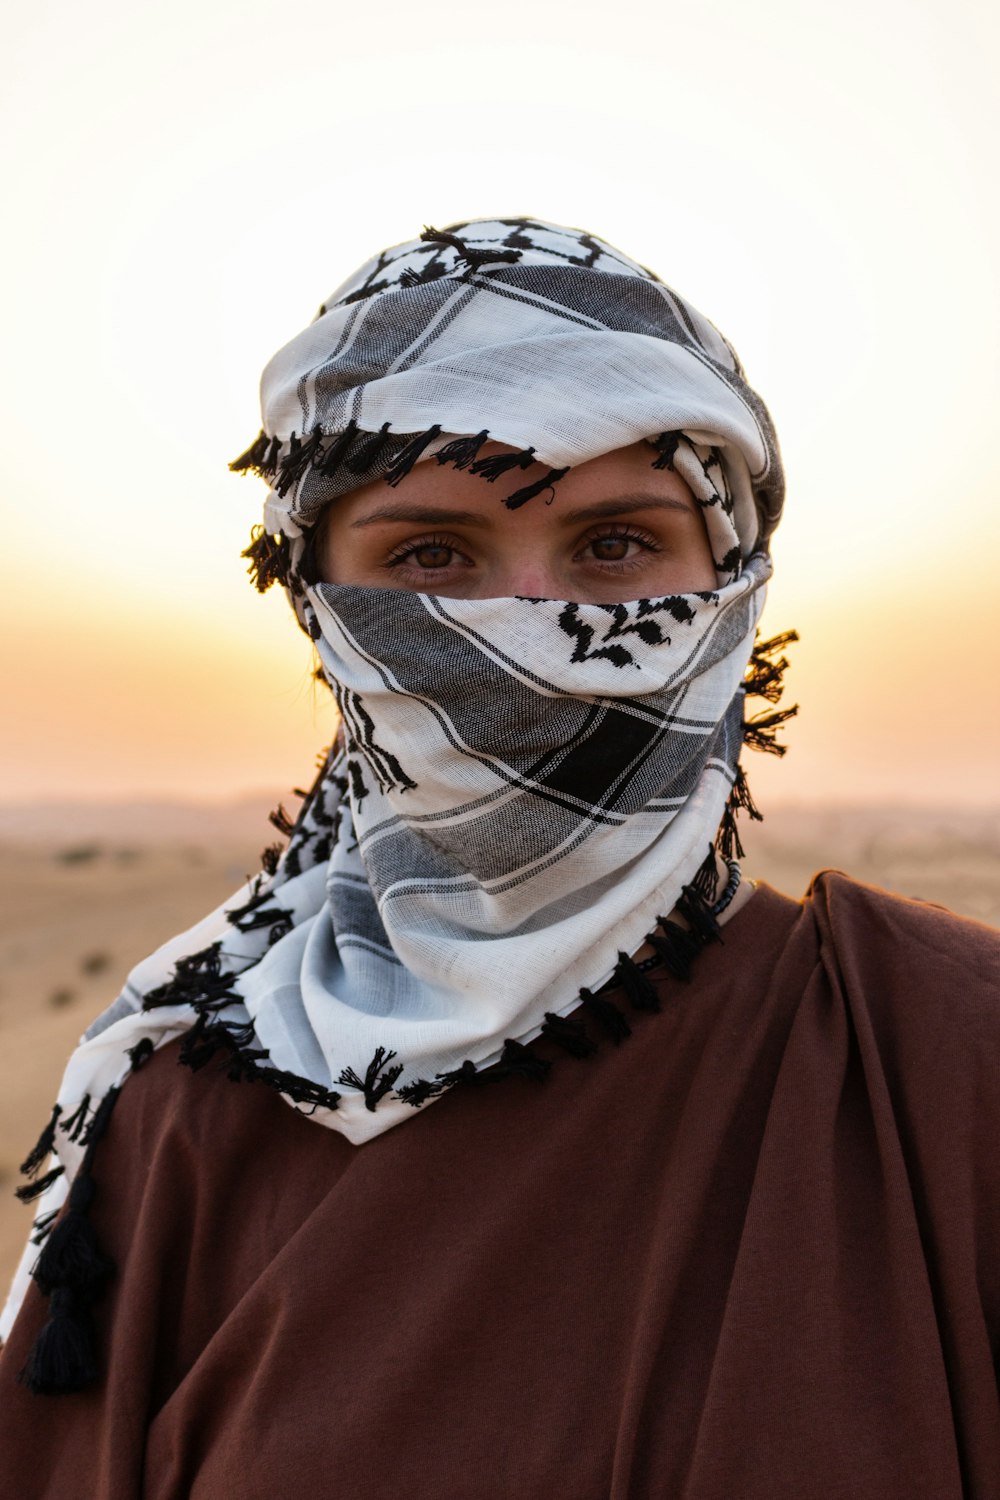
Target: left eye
x,y
617,545
611,548
432,556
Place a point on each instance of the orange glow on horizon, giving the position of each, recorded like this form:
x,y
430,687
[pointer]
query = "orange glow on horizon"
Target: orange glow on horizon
x,y
821,200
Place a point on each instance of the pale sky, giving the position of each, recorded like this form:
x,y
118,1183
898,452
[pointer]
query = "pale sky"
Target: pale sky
x,y
184,183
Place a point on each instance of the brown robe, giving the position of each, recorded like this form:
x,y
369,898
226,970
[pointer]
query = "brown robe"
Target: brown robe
x,y
752,1253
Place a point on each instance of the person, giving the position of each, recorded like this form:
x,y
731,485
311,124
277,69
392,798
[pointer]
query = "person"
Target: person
x,y
565,1160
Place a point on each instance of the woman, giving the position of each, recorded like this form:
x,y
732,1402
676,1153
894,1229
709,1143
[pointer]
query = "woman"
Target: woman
x,y
605,1174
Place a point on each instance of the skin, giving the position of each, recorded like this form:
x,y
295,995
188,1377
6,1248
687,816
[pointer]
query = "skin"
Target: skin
x,y
444,531
614,529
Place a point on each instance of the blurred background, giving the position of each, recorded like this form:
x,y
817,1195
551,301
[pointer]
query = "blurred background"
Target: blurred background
x,y
185,182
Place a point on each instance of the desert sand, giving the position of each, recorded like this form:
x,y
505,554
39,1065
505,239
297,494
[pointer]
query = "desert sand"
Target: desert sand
x,y
85,893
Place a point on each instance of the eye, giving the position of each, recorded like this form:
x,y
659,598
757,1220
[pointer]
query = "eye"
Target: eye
x,y
431,554
610,548
617,544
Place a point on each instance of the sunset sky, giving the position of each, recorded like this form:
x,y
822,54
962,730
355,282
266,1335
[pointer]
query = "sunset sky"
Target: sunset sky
x,y
185,182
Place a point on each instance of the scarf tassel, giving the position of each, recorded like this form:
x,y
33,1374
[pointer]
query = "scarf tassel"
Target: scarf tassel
x,y
467,1073
29,1191
40,1150
699,916
571,1035
765,673
71,1255
42,1227
666,446
244,1065
547,482
299,458
260,458
462,451
491,468
419,1092
760,732
407,458
517,1060
607,1015
764,679
255,456
72,1271
330,460
677,946
368,453
640,992
728,841
376,1082
280,820
269,557
76,1126
63,1358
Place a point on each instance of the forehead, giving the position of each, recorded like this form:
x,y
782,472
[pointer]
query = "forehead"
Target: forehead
x,y
432,492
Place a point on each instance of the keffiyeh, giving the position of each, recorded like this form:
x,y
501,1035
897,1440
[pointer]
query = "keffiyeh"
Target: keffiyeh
x,y
522,791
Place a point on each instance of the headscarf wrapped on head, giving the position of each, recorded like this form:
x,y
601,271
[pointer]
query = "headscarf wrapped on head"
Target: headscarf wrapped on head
x,y
542,338
522,791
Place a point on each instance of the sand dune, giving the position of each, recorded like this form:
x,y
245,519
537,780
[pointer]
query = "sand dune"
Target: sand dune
x,y
85,892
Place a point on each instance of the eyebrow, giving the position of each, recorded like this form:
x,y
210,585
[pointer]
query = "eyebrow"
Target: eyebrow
x,y
439,515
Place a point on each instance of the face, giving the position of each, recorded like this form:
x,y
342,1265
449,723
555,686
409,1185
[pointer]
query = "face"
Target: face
x,y
616,529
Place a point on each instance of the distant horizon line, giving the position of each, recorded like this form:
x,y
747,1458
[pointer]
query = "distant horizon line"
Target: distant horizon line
x,y
263,794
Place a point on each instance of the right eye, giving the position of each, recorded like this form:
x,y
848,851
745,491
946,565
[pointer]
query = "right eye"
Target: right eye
x,y
431,554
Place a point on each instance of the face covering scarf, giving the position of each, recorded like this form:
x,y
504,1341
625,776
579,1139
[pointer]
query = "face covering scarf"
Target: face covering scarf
x,y
522,790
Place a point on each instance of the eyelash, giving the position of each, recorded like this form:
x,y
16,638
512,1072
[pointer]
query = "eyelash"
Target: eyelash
x,y
622,531
608,532
407,549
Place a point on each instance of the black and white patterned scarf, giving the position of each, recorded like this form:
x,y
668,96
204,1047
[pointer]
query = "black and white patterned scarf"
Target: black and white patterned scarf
x,y
522,791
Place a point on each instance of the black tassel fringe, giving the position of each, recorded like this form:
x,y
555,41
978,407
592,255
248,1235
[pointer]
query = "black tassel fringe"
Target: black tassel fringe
x,y
759,732
404,462
366,454
764,679
765,673
39,1152
547,482
269,557
491,468
607,1015
640,992
29,1191
571,1035
42,1227
666,446
462,451
280,820
378,1079
302,452
252,461
63,1358
72,1271
328,462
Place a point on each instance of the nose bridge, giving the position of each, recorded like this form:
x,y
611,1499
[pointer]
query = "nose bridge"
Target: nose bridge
x,y
531,576
526,553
